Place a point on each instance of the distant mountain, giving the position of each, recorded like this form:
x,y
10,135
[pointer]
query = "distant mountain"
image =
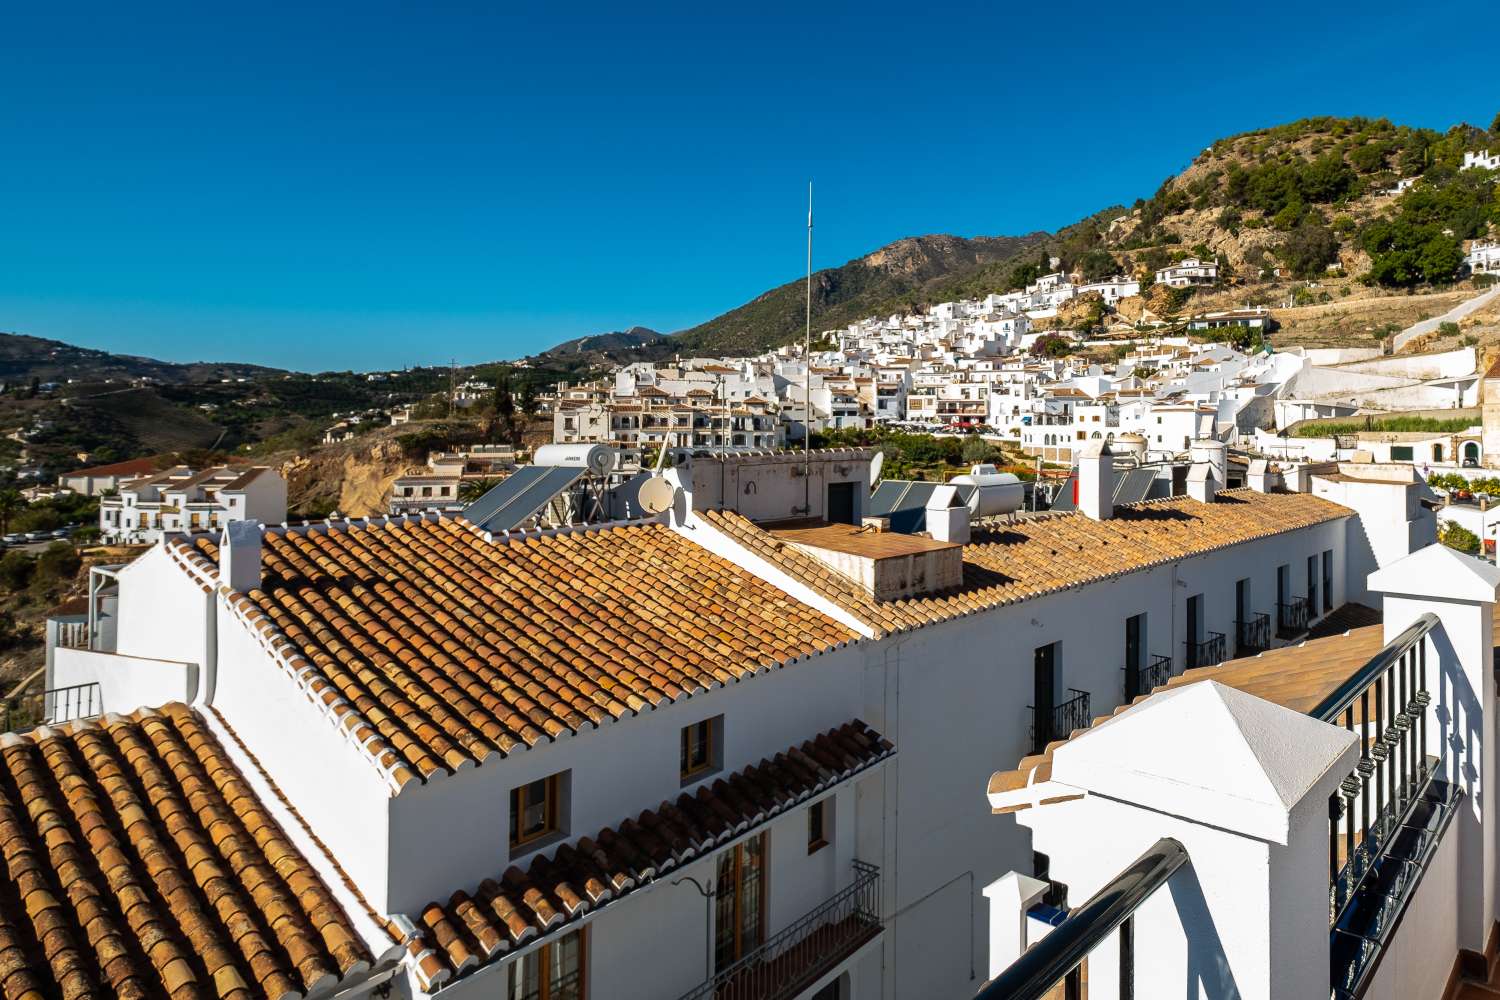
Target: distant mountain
x,y
23,358
604,346
898,276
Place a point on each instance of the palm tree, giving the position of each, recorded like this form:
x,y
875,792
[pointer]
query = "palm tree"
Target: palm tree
x,y
11,502
472,489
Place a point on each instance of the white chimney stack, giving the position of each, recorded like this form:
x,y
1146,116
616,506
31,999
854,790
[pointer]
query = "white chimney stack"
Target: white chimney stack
x,y
1202,486
239,556
1261,478
947,517
1096,481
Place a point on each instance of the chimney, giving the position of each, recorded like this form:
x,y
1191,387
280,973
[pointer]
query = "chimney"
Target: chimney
x,y
1201,482
1262,478
239,556
1096,481
947,517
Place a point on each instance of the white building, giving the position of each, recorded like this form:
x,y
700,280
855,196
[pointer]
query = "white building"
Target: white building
x,y
1483,258
1188,273
481,758
1309,822
1481,160
183,499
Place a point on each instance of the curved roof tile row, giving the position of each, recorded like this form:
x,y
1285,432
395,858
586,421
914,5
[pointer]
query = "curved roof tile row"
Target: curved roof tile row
x,y
139,864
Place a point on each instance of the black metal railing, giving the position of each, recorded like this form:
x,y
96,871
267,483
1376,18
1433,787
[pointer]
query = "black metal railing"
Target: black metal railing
x,y
1144,680
1253,636
811,945
1056,722
57,705
1291,617
1385,704
1206,653
76,701
1055,958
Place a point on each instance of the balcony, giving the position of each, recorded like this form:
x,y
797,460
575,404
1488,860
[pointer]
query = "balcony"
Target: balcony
x,y
1144,680
1291,617
1206,653
808,948
1058,721
1253,636
59,705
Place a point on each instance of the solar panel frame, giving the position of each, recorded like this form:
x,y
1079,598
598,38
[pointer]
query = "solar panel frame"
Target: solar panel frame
x,y
533,498
503,492
887,497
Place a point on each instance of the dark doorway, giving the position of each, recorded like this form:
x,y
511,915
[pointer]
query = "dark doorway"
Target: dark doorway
x,y
841,503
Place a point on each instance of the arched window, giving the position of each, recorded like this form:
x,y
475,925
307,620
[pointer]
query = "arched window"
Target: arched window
x,y
1471,453
1096,435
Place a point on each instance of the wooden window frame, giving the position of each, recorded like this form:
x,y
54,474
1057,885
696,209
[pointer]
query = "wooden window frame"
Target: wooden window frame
x,y
518,805
737,852
687,771
542,957
820,841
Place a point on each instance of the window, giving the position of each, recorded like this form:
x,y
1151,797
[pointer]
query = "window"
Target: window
x,y
702,748
1401,453
817,826
740,903
1312,585
1327,579
534,810
553,972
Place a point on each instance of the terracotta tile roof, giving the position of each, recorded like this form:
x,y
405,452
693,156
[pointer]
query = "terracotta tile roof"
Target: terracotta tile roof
x,y
139,864
1017,562
473,929
132,467
437,648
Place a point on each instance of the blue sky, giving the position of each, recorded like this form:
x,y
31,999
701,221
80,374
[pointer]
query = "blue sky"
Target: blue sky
x,y
315,186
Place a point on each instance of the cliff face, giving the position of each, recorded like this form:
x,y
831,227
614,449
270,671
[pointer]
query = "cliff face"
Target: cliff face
x,y
353,478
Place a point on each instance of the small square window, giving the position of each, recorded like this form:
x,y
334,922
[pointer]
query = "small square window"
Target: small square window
x,y
702,748
534,810
817,826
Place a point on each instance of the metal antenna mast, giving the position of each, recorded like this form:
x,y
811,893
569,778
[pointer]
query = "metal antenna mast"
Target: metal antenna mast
x,y
807,355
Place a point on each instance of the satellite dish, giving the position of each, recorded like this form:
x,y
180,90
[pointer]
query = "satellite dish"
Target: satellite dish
x,y
876,464
656,495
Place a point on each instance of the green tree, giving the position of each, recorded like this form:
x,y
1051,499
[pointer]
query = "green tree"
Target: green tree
x,y
11,503
16,568
977,450
1456,536
1309,249
470,490
58,563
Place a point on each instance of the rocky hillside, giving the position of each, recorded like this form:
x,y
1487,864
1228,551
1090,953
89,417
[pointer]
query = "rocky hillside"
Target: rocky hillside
x,y
1298,198
353,477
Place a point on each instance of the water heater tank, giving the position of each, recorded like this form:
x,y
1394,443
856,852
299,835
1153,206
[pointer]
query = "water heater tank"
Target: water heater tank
x,y
1130,443
996,493
598,459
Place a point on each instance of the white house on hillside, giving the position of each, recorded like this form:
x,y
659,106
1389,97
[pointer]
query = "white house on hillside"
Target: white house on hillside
x,y
1188,273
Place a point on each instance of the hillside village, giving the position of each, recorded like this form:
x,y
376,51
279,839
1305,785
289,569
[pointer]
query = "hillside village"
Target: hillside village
x,y
623,627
